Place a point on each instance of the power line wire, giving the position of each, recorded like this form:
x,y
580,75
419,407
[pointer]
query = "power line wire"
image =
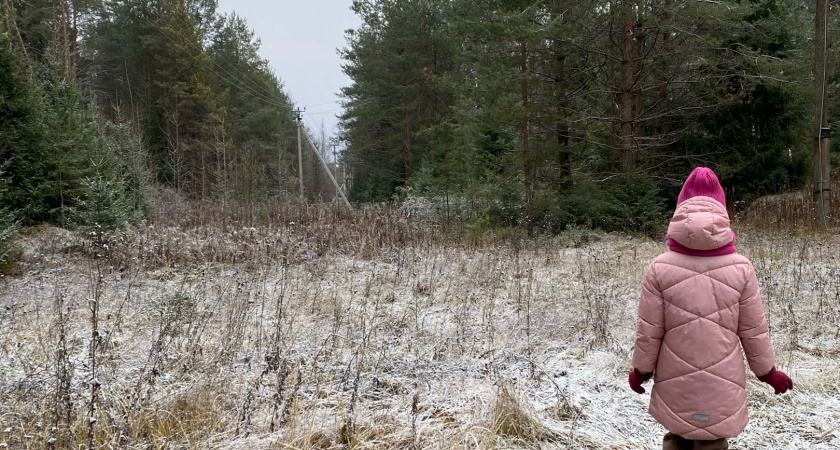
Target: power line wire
x,y
310,120
321,104
241,87
181,20
324,112
256,85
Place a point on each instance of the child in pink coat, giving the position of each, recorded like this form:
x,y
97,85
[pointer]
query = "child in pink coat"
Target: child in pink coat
x,y
700,305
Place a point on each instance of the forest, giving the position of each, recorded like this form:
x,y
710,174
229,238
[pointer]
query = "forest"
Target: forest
x,y
543,115
551,114
168,279
107,104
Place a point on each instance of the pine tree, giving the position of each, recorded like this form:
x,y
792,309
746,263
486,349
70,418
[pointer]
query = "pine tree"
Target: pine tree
x,y
261,156
393,59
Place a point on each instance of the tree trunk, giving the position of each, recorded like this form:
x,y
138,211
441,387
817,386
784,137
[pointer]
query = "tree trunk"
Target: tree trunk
x,y
406,122
203,174
407,149
427,84
821,160
627,72
74,62
562,123
526,157
665,49
614,105
65,48
638,68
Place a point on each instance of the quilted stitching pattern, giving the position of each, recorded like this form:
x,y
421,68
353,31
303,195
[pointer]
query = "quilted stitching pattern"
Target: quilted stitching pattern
x,y
695,314
701,223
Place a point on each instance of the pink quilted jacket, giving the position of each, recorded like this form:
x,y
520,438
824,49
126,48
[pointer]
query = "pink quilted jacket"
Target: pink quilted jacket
x,y
695,314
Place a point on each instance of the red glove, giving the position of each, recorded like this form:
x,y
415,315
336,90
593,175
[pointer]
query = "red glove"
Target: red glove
x,y
779,380
636,379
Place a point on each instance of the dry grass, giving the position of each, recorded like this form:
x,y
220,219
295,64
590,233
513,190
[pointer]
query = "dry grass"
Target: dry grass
x,y
791,212
512,418
360,330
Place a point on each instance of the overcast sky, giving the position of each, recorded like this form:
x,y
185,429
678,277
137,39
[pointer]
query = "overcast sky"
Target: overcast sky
x,y
299,40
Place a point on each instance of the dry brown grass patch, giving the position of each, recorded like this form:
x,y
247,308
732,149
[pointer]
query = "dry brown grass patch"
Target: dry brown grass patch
x,y
512,419
793,211
188,419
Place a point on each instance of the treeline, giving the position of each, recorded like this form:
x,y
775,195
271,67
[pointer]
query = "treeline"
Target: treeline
x,y
560,113
106,104
543,114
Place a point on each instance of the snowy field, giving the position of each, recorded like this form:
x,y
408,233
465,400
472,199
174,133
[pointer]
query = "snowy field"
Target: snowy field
x,y
260,338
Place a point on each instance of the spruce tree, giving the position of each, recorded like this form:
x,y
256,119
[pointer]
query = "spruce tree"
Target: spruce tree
x,y
22,145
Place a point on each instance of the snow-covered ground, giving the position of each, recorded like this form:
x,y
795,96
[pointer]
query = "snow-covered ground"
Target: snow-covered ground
x,y
261,338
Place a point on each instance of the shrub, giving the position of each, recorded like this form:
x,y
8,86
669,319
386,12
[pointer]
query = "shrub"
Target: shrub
x,y
631,203
8,231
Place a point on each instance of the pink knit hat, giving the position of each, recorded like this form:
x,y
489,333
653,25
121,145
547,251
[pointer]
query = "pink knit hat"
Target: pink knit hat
x,y
702,182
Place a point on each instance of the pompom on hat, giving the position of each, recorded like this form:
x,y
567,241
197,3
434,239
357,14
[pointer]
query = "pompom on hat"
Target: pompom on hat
x,y
702,182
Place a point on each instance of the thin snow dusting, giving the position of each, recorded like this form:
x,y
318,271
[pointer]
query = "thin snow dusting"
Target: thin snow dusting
x,y
258,339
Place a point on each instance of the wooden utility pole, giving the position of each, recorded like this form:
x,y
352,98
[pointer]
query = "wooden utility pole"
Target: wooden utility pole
x,y
329,172
280,167
298,114
334,144
822,138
